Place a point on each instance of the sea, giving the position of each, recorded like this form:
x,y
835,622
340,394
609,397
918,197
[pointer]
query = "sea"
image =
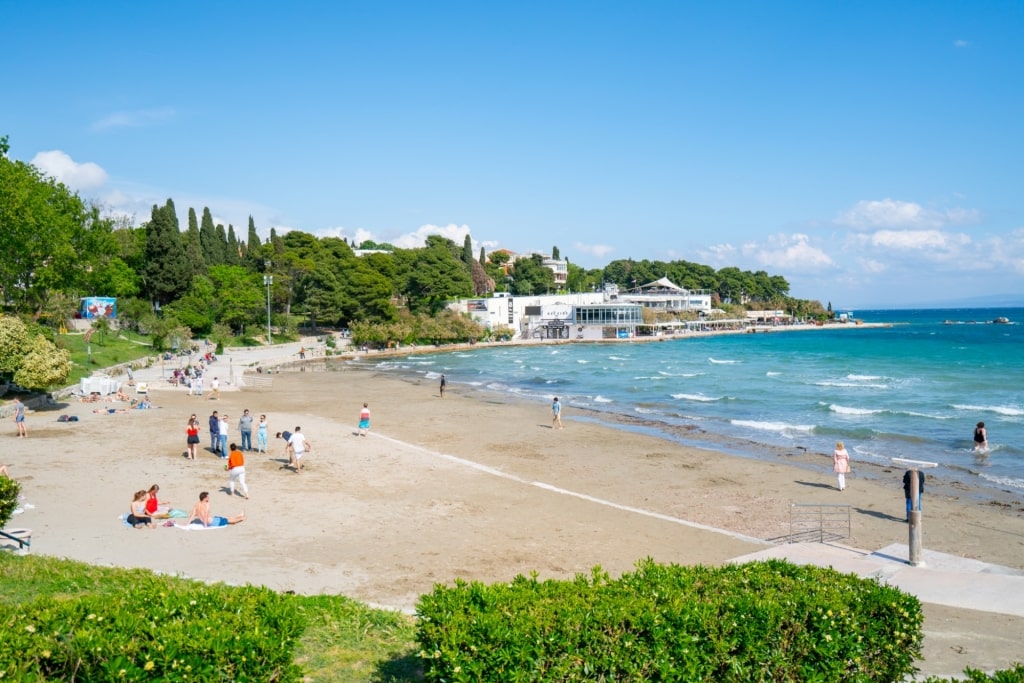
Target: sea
x,y
911,390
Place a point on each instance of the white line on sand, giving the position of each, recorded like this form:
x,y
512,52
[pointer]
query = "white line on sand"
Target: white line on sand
x,y
565,492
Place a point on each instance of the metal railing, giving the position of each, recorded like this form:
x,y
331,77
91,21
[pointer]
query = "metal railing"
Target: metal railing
x,y
820,522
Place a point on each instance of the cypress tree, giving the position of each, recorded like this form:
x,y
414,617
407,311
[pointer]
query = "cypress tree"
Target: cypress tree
x,y
222,245
168,272
193,244
467,251
208,240
483,257
233,253
253,248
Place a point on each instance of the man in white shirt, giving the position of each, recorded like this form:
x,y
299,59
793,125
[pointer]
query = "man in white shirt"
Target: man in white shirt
x,y
299,447
222,435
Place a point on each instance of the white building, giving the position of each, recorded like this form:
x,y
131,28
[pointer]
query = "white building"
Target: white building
x,y
665,296
584,315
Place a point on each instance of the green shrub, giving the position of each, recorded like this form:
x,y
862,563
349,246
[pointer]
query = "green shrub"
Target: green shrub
x,y
1014,675
764,621
9,490
155,630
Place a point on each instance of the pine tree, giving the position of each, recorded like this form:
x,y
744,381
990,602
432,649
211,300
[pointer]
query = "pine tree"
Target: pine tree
x,y
168,272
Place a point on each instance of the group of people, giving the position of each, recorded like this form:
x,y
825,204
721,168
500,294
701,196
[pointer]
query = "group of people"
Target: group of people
x,y
146,508
219,429
841,467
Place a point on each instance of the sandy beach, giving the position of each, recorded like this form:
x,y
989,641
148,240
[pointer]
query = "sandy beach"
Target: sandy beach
x,y
473,486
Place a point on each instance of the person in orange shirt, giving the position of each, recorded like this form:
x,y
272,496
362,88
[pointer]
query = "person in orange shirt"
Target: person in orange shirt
x,y
236,471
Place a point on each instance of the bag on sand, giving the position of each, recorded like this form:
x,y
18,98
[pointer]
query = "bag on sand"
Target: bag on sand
x,y
67,418
175,513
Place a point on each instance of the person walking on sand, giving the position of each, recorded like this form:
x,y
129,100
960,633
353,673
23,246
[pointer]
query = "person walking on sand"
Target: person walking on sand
x,y
980,438
201,514
364,420
444,384
236,471
192,436
841,464
907,491
19,418
214,390
556,414
299,447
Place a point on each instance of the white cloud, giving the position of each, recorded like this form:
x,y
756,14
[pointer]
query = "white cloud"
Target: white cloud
x,y
418,238
892,213
961,43
596,250
64,169
134,119
792,252
719,255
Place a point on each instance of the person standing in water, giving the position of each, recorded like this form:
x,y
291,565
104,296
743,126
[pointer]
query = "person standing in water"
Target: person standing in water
x,y
980,437
841,464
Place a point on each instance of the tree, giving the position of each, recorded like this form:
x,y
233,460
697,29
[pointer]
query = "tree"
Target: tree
x,y
239,295
434,275
531,276
483,257
554,253
14,339
254,248
194,244
467,250
234,249
168,272
213,250
44,365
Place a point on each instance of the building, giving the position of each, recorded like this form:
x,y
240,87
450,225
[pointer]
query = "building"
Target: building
x,y
665,296
583,315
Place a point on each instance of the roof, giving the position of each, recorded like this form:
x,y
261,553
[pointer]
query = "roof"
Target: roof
x,y
663,283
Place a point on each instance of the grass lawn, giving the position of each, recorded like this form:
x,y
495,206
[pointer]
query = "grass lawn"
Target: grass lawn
x,y
110,351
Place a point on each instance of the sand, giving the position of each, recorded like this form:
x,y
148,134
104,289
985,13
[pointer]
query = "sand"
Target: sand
x,y
475,486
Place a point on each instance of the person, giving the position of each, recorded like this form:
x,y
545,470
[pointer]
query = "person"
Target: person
x,y
841,464
286,435
4,472
201,514
137,515
222,435
980,437
144,404
245,429
19,418
198,384
444,384
192,436
907,490
236,471
153,506
214,430
299,445
109,411
261,435
215,389
121,396
364,420
556,414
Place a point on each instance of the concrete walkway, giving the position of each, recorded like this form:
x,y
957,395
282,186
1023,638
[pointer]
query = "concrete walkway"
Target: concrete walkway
x,y
941,580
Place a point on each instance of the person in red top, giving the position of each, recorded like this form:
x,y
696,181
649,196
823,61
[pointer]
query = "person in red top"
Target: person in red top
x,y
192,430
153,506
236,470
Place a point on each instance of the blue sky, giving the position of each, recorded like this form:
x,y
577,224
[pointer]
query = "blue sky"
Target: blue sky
x,y
872,153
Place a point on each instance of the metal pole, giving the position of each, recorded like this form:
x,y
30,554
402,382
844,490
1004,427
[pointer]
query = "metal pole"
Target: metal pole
x,y
915,518
268,280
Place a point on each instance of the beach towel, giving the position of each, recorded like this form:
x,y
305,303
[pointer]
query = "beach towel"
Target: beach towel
x,y
198,527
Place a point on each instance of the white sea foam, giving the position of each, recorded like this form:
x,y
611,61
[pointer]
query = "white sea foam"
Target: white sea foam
x,y
581,361
602,399
1003,481
772,426
679,374
864,378
999,410
845,410
696,397
723,362
617,358
772,374
644,411
856,385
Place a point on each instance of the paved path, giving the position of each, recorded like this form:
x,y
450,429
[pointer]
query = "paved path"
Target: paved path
x,y
941,580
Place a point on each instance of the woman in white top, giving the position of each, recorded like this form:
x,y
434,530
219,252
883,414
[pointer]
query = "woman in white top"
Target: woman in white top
x,y
841,464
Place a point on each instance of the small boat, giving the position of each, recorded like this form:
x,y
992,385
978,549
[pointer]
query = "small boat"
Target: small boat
x,y
1001,321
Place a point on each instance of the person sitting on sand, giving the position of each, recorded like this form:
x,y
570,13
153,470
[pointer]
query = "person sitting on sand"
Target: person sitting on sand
x,y
153,506
121,396
138,516
201,514
109,411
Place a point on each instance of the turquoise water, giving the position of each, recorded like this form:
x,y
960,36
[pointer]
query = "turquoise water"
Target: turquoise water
x,y
913,390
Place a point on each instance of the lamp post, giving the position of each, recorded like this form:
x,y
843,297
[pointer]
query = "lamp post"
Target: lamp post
x,y
267,281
